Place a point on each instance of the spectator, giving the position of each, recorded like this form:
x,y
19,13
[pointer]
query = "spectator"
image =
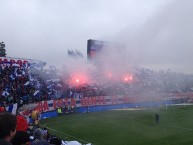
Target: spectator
x,y
2,109
157,118
55,141
59,111
38,137
21,138
22,124
7,128
46,133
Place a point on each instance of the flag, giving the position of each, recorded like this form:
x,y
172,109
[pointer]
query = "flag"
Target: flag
x,y
71,53
78,53
27,83
75,53
12,108
5,93
36,93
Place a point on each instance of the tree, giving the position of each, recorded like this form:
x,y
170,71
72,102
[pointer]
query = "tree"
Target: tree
x,y
2,50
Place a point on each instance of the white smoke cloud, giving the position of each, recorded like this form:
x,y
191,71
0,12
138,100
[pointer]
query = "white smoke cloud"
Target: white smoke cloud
x,y
164,40
158,33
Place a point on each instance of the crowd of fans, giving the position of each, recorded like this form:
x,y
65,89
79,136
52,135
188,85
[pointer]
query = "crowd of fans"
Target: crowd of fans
x,y
14,130
23,85
27,84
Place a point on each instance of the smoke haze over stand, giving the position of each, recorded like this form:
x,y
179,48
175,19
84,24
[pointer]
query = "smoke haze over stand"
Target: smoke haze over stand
x,y
164,40
78,69
158,33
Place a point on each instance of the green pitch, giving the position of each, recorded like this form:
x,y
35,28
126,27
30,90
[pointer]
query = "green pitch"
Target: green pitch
x,y
126,127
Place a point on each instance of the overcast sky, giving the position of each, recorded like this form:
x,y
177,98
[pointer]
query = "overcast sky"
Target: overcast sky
x,y
157,33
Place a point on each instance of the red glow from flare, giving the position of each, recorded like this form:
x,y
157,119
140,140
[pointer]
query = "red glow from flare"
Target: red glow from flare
x,y
110,75
77,80
128,78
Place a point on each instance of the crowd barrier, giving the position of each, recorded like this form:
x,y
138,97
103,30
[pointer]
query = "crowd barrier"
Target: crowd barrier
x,y
87,109
100,103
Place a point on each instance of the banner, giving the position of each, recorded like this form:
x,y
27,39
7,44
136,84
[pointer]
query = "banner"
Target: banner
x,y
80,101
50,105
20,61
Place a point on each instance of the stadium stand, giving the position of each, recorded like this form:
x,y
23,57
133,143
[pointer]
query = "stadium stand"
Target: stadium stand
x,y
27,85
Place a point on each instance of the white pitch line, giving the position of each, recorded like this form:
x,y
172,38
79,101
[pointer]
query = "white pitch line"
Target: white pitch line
x,y
117,115
131,117
68,135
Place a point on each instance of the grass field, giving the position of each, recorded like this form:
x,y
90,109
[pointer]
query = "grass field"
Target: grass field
x,y
126,127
